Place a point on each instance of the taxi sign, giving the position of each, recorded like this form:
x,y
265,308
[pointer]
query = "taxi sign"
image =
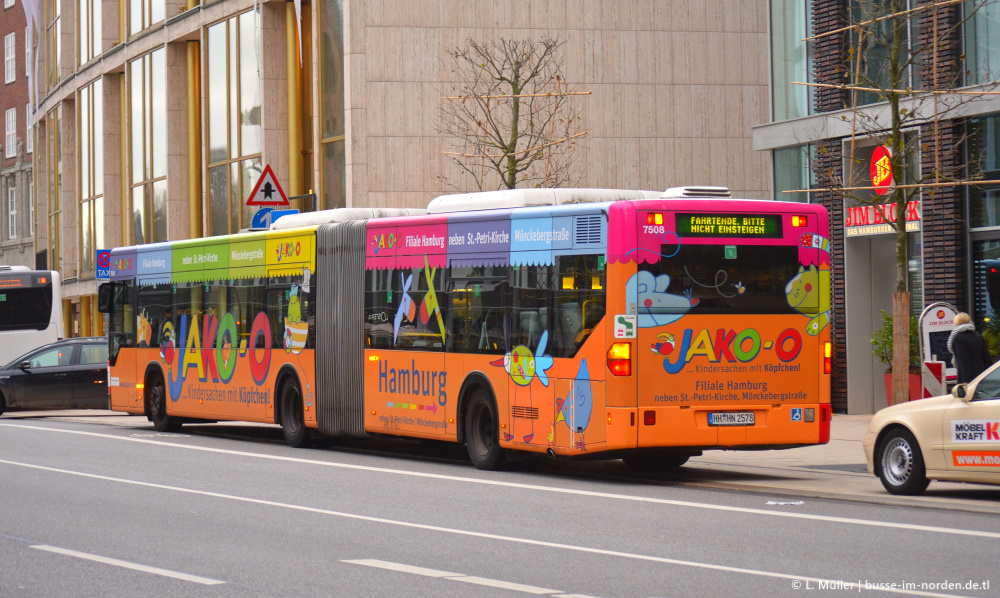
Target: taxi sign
x,y
267,192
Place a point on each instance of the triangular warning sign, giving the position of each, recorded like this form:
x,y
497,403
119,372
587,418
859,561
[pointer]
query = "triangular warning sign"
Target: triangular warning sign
x,y
267,192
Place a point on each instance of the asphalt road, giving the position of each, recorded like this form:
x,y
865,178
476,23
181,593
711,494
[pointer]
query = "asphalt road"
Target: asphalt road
x,y
228,510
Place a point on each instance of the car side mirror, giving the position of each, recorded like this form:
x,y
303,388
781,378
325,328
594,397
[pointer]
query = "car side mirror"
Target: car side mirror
x,y
960,391
24,365
105,293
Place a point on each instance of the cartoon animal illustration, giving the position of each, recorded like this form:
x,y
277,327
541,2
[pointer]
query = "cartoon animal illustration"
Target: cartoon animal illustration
x,y
523,367
664,344
576,408
296,331
167,343
406,307
804,295
145,330
651,294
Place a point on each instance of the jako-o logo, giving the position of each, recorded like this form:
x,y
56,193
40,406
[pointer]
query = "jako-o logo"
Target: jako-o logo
x,y
730,345
289,249
211,350
122,263
383,241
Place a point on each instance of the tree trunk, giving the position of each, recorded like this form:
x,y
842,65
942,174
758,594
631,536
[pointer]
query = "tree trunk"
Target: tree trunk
x,y
900,347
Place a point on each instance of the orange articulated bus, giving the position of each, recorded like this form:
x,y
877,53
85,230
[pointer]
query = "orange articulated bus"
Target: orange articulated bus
x,y
591,323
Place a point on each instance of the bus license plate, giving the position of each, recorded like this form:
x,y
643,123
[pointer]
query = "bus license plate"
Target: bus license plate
x,y
731,418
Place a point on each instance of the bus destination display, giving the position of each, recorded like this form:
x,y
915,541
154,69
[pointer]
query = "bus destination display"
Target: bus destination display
x,y
759,226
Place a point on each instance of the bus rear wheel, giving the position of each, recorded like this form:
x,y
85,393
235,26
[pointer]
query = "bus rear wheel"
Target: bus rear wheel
x,y
292,417
482,432
156,398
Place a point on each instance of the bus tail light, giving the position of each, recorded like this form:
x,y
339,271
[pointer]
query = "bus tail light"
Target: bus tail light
x,y
827,357
653,218
825,417
649,418
620,359
799,221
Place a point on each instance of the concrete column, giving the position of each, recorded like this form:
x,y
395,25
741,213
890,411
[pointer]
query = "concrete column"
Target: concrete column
x,y
67,318
85,315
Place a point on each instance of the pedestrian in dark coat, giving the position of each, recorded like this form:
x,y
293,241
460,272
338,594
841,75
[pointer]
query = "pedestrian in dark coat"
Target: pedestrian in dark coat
x,y
968,349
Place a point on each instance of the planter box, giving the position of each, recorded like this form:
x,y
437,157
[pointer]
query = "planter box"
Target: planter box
x,y
916,388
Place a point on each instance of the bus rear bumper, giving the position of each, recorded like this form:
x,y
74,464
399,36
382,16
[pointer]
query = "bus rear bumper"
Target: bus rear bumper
x,y
748,427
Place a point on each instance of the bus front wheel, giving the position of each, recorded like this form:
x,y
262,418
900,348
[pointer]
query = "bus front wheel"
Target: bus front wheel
x,y
157,405
482,432
292,418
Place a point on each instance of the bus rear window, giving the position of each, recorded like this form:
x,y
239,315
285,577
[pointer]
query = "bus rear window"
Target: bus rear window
x,y
745,279
25,309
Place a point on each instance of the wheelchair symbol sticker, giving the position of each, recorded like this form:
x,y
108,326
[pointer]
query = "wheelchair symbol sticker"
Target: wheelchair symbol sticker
x,y
797,414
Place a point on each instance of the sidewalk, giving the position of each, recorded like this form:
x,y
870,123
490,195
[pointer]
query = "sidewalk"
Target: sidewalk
x,y
834,470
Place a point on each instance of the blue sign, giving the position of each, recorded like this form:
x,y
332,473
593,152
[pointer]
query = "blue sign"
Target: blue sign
x,y
265,217
103,263
260,219
796,414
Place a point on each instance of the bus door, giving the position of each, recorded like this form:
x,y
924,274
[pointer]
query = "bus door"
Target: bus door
x,y
577,344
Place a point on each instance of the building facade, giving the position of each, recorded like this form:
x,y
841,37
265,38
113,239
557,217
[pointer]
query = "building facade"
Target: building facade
x,y
815,141
154,118
17,222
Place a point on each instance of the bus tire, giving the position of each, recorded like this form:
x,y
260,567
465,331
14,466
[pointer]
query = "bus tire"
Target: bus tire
x,y
156,401
901,464
482,432
292,417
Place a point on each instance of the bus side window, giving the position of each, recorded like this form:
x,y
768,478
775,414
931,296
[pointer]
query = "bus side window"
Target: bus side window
x,y
378,313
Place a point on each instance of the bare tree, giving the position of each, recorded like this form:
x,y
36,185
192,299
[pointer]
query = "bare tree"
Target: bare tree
x,y
891,60
510,116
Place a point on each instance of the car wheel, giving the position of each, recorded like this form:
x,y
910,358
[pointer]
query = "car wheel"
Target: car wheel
x,y
901,465
292,418
482,432
3,405
157,400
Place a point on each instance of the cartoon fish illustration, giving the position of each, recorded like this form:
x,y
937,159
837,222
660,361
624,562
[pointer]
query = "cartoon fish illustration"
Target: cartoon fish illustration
x,y
576,408
523,366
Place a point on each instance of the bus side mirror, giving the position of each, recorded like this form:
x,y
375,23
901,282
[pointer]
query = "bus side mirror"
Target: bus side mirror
x,y
959,392
105,293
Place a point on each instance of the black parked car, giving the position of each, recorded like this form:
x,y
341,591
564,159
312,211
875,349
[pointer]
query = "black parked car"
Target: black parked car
x,y
68,374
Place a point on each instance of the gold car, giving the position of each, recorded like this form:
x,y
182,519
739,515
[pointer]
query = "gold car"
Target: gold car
x,y
953,437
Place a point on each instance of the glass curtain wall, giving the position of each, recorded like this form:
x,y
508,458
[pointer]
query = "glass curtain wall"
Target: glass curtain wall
x,y
793,172
232,81
982,42
984,209
331,100
89,31
791,22
144,13
875,41
147,119
53,43
91,152
53,124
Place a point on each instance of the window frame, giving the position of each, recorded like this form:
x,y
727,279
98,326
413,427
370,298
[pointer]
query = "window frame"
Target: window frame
x,y
9,58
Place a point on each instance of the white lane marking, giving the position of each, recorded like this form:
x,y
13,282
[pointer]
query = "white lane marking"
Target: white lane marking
x,y
481,581
127,565
458,532
537,488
